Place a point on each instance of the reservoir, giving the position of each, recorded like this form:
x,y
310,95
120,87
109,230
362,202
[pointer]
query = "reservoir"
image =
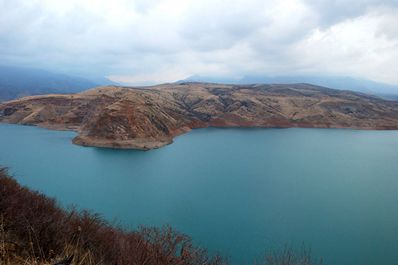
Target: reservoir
x,y
237,192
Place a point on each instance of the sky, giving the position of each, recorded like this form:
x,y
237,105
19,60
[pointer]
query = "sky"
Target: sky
x,y
155,41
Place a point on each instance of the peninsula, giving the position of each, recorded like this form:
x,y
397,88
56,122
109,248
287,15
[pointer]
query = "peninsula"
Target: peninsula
x,y
150,117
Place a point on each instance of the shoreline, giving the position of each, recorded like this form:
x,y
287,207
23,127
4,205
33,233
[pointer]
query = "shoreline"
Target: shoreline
x,y
145,119
145,144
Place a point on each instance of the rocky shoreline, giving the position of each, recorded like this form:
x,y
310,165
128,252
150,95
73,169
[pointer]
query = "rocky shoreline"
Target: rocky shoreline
x,y
150,117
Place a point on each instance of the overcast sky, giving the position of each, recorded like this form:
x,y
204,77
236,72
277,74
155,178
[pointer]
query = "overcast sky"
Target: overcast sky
x,y
156,41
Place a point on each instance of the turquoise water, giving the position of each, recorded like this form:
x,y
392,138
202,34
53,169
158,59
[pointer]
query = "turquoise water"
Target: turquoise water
x,y
235,191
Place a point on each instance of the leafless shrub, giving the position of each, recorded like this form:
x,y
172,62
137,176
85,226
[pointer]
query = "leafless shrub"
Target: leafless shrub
x,y
290,256
35,230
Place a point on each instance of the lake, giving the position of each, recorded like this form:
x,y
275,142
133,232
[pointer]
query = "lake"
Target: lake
x,y
235,191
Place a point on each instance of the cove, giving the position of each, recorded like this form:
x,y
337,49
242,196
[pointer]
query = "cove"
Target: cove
x,y
237,192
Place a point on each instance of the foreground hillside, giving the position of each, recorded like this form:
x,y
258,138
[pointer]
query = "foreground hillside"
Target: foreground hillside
x,y
34,230
150,117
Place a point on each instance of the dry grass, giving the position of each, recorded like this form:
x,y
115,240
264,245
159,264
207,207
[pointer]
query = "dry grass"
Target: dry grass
x,y
290,256
34,230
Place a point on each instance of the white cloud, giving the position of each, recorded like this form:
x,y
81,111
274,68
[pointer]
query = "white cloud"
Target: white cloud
x,y
365,46
166,40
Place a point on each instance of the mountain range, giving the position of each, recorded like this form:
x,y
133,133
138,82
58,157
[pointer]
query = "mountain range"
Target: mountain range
x,y
17,82
387,91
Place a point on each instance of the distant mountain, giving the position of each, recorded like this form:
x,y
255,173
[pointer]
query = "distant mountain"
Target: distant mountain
x,y
336,82
20,81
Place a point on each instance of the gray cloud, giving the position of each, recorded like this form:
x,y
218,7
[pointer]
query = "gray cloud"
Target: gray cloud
x,y
332,12
165,40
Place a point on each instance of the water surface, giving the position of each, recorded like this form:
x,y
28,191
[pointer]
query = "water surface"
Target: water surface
x,y
236,191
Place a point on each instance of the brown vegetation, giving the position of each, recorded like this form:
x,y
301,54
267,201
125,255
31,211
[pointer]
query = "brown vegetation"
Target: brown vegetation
x,y
289,256
147,118
35,231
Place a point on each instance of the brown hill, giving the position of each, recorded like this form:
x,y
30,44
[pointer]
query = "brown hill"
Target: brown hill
x,y
150,117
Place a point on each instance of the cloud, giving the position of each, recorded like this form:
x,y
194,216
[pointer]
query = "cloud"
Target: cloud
x,y
165,40
365,46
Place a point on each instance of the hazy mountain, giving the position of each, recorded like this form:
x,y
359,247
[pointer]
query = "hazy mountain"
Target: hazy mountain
x,y
336,82
20,81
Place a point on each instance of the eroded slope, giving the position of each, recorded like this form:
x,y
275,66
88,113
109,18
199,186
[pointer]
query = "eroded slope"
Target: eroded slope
x,y
150,117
